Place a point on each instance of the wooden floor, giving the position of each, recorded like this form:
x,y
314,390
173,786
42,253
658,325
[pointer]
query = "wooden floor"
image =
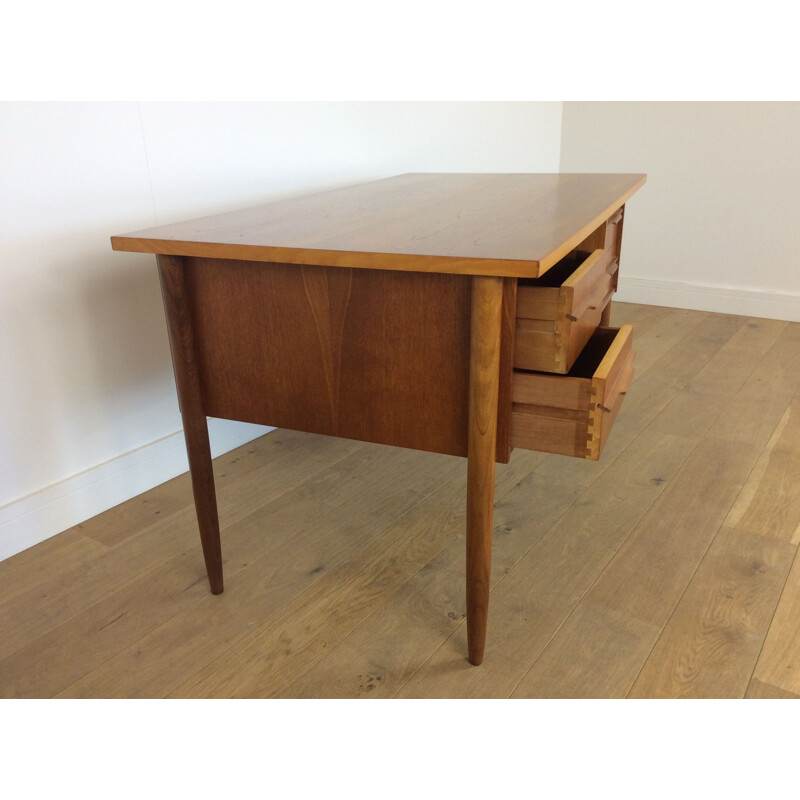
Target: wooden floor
x,y
666,569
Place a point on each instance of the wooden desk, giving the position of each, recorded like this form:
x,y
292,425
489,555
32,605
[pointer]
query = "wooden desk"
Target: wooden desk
x,y
463,314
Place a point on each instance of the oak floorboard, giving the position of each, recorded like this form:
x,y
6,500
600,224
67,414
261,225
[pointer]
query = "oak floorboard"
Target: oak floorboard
x,y
263,464
756,409
396,638
642,583
710,645
251,473
292,640
651,570
40,608
315,529
769,504
531,603
680,520
654,336
595,655
624,577
757,690
779,661
638,314
63,655
40,563
702,401
302,630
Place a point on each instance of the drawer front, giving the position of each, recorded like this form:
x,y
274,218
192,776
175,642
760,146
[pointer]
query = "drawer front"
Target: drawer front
x,y
554,322
574,413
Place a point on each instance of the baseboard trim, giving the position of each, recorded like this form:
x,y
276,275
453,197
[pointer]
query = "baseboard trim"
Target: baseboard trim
x,y
702,297
40,515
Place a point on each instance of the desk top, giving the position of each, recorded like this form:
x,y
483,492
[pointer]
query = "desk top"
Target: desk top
x,y
516,224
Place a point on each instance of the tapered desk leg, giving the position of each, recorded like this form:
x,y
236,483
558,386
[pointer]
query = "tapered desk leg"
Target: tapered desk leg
x,y
195,428
484,377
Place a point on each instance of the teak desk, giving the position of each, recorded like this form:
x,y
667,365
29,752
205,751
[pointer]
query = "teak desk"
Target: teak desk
x,y
463,314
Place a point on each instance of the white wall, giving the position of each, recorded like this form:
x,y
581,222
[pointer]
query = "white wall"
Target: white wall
x,y
88,412
715,226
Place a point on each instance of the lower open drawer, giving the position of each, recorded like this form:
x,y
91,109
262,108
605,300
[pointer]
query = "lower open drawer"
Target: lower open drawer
x,y
573,414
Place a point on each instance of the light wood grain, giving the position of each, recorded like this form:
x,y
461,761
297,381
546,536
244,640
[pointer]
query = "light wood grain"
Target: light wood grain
x,y
63,655
39,564
779,661
756,409
710,645
532,602
635,582
397,638
661,329
631,601
322,615
769,504
35,612
351,557
262,470
282,549
757,690
567,668
471,224
292,459
702,401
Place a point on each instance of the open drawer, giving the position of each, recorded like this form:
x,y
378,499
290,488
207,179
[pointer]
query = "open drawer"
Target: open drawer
x,y
573,414
558,312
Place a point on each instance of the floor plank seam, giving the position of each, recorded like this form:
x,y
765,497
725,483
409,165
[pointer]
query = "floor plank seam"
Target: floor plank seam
x,y
493,588
133,577
795,560
610,560
688,333
278,615
710,373
374,611
675,606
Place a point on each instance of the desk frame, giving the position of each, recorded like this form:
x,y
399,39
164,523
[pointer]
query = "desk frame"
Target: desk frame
x,y
486,302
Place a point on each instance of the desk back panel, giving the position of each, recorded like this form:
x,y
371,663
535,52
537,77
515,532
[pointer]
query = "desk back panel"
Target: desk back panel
x,y
374,355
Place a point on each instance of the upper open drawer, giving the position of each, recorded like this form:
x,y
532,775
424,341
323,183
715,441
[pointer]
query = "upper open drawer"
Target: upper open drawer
x,y
557,313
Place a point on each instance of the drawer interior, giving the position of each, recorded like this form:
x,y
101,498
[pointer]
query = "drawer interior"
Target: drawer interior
x,y
558,312
560,272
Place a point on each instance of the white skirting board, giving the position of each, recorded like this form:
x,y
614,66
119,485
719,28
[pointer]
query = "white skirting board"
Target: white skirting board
x,y
38,516
699,297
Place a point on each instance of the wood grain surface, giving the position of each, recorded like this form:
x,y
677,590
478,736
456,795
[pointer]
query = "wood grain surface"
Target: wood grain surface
x,y
345,561
484,377
183,343
476,224
373,355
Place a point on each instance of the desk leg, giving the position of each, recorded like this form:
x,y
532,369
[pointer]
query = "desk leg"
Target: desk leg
x,y
195,428
484,378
